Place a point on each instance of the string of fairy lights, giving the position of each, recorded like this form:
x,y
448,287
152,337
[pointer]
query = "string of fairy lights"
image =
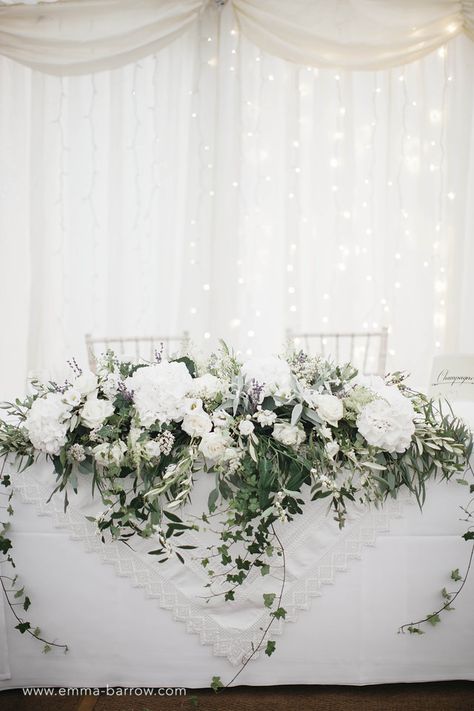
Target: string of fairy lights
x,y
358,177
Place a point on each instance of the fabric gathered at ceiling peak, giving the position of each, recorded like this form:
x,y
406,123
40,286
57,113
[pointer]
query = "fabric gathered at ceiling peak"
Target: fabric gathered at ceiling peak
x,y
83,36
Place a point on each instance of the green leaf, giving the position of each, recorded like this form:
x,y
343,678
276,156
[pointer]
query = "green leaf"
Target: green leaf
x,y
230,595
265,569
468,536
415,630
269,599
279,613
19,593
270,648
216,683
23,627
434,619
26,603
211,502
455,575
46,649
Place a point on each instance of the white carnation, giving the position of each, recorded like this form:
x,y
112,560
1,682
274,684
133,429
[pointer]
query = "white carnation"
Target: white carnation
x,y
266,418
214,445
86,383
289,435
273,373
95,411
107,454
387,426
47,423
246,428
329,408
159,392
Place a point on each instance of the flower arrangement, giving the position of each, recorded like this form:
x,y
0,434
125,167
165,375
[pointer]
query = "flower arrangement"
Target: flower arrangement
x,y
266,428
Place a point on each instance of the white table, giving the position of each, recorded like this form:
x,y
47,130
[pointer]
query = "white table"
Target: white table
x,y
346,606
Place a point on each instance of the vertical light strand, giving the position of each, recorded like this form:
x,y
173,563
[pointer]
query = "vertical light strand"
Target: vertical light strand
x,y
442,230
89,199
60,251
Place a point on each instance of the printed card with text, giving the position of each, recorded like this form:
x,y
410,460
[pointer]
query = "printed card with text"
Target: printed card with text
x,y
452,377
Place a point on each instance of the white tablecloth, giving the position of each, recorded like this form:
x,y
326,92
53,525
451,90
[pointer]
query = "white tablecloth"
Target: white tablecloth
x,y
346,599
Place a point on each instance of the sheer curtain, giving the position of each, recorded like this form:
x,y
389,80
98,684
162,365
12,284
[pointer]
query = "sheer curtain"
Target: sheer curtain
x,y
215,188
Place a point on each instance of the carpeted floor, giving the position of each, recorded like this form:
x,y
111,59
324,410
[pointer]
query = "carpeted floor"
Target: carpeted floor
x,y
443,696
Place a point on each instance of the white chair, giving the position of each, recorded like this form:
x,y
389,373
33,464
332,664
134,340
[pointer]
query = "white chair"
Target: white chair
x,y
367,351
135,347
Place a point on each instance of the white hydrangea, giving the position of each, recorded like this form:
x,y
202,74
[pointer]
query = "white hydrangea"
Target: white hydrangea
x,y
95,412
159,392
152,449
110,453
47,423
273,373
387,426
289,435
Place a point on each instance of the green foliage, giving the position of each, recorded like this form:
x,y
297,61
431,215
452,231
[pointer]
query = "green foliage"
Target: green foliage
x,y
270,648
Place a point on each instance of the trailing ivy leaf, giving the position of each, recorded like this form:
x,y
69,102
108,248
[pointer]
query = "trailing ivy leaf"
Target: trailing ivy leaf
x,y
268,599
46,649
434,619
415,630
279,613
270,648
265,569
230,595
455,575
23,627
211,502
27,603
19,593
216,683
468,536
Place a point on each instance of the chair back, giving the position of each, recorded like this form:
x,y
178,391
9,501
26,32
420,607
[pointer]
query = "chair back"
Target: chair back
x,y
367,351
135,347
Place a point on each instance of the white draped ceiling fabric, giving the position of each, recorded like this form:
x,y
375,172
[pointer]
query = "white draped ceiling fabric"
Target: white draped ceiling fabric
x,y
226,168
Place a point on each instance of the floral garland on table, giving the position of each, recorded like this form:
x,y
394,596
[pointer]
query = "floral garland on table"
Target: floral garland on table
x,y
265,428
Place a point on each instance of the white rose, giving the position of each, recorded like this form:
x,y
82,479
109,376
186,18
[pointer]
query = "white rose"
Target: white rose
x,y
47,423
332,448
266,418
289,435
106,454
159,392
214,445
72,397
153,449
207,387
95,411
389,427
330,408
273,373
196,423
86,383
246,428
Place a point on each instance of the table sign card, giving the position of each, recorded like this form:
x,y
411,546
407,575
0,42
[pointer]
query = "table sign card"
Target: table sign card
x,y
452,377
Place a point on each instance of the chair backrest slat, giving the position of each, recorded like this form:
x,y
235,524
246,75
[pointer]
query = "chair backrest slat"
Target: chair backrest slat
x,y
139,345
367,350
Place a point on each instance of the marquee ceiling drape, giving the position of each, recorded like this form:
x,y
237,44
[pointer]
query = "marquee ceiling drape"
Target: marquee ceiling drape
x,y
82,36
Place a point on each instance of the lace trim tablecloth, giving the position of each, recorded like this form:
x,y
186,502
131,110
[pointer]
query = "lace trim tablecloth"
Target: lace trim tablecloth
x,y
316,551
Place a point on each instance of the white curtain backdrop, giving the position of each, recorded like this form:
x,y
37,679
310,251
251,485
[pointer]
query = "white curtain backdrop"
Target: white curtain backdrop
x,y
215,188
